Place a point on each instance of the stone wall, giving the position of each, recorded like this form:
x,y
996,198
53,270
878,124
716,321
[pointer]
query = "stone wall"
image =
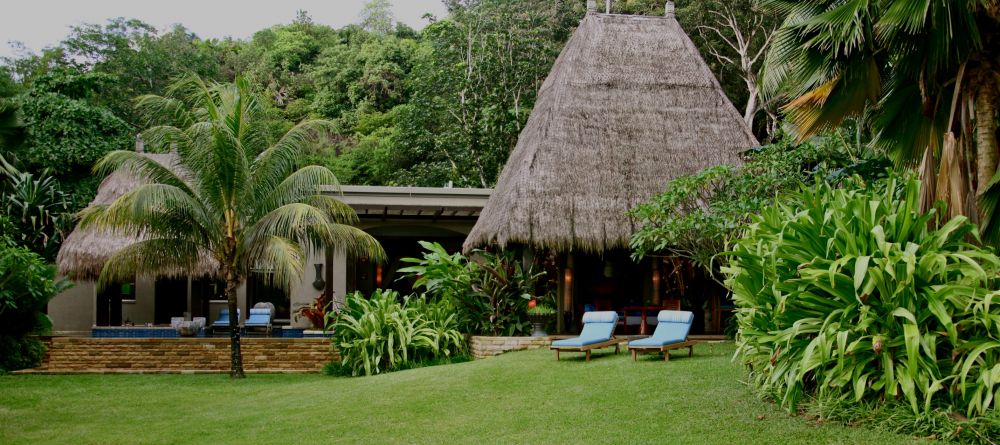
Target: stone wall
x,y
482,347
184,355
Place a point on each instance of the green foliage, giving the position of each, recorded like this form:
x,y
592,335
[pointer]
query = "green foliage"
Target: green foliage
x,y
898,418
385,333
490,290
27,283
64,132
699,215
541,310
474,83
854,294
137,59
915,68
37,207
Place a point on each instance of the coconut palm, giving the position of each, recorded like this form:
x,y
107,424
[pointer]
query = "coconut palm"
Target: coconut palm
x,y
927,71
235,199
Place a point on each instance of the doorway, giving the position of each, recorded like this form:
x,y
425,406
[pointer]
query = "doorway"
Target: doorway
x,y
170,299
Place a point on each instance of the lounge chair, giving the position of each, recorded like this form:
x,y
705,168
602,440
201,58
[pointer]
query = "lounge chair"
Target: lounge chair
x,y
223,320
671,332
260,318
598,332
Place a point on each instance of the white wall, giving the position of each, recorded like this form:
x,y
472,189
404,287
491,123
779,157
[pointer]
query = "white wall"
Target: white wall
x,y
72,311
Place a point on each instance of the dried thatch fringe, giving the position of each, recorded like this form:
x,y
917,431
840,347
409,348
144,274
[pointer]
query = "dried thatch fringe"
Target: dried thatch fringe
x,y
84,252
628,105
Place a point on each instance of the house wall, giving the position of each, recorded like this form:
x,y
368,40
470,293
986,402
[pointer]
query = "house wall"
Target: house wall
x,y
72,311
141,310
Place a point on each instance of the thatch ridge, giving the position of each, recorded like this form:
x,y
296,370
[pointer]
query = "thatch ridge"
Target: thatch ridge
x,y
84,252
629,105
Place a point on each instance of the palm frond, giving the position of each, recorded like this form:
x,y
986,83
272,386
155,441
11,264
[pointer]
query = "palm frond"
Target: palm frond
x,y
282,257
139,166
152,257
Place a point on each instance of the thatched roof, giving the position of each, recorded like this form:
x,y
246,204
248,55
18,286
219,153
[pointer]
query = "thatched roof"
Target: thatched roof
x,y
84,252
628,106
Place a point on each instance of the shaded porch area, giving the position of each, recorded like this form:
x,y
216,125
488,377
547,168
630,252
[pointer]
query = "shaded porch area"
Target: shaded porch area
x,y
638,291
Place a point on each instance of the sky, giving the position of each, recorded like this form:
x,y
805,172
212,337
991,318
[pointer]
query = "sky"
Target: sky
x,y
42,23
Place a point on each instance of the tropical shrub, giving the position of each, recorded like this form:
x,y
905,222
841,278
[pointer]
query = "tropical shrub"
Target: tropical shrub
x,y
698,215
385,333
37,207
27,283
490,290
854,294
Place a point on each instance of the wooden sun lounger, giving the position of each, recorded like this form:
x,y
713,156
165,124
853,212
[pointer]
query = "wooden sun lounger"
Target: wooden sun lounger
x,y
665,349
587,348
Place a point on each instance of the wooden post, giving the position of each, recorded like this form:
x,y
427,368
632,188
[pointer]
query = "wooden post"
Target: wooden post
x,y
656,281
560,290
569,288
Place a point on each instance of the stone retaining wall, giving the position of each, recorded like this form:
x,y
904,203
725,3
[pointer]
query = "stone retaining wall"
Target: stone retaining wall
x,y
184,355
482,347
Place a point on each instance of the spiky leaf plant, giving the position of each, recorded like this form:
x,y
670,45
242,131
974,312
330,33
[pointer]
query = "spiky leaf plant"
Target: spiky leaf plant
x,y
853,293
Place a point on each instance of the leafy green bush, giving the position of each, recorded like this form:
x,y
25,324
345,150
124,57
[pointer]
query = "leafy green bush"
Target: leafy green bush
x,y
37,206
27,284
490,290
899,418
385,333
698,215
854,294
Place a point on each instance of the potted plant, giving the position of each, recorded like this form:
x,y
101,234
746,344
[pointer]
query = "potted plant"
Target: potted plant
x,y
539,314
316,313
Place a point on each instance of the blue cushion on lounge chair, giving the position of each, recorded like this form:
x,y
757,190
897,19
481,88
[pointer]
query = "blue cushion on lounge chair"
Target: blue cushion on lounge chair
x,y
673,327
597,327
258,317
223,319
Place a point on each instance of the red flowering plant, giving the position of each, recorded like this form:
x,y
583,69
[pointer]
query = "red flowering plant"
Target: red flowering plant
x,y
316,312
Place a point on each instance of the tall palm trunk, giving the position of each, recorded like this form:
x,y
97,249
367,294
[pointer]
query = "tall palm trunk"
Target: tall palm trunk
x,y
236,355
986,136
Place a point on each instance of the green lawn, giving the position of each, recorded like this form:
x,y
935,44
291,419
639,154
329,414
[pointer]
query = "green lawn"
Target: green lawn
x,y
523,397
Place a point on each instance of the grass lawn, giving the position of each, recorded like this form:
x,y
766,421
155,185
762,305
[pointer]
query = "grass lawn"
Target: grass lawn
x,y
523,397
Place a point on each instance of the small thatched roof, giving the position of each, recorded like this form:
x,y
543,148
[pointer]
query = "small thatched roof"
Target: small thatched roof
x,y
628,106
84,252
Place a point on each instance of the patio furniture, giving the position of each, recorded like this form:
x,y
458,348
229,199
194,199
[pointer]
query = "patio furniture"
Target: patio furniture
x,y
598,332
259,318
671,333
644,316
223,320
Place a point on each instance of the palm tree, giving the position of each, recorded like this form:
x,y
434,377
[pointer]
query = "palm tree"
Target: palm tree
x,y
926,71
235,199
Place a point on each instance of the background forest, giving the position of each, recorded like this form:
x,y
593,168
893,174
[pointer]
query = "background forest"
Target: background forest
x,y
438,107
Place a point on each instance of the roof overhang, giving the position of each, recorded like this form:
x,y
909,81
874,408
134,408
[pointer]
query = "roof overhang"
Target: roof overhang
x,y
433,203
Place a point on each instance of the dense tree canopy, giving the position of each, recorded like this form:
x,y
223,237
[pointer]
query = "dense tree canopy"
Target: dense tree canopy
x,y
441,106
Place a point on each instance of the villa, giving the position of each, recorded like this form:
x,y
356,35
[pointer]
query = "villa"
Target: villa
x,y
628,105
397,216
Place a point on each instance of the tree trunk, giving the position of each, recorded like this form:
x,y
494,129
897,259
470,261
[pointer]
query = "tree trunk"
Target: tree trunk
x,y
235,354
986,137
751,108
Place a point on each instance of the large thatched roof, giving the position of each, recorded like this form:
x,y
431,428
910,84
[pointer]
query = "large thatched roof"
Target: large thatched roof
x,y
628,105
84,252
